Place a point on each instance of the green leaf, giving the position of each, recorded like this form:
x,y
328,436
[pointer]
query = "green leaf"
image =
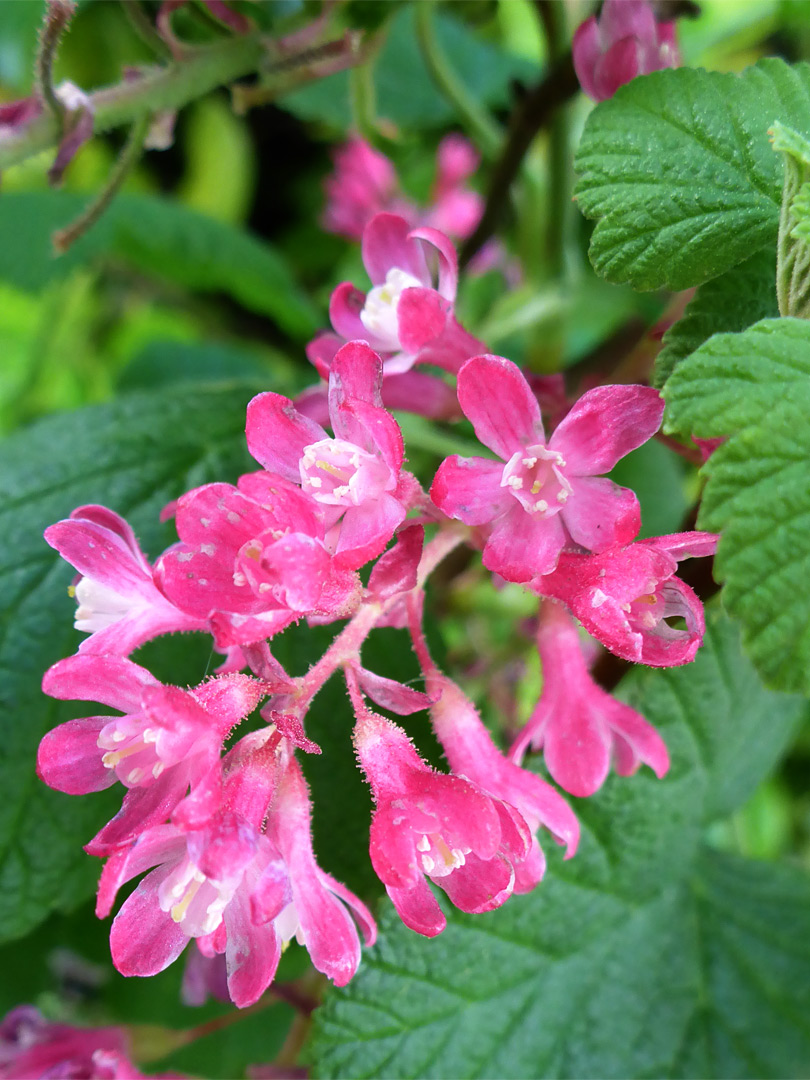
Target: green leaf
x,y
134,456
644,956
755,387
728,304
792,248
678,171
159,237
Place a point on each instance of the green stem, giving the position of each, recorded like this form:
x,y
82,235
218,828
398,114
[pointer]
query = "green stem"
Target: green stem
x,y
362,95
58,14
479,122
127,160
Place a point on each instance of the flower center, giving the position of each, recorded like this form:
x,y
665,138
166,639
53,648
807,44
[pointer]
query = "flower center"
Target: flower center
x,y
379,315
99,606
535,477
438,859
132,753
339,473
194,900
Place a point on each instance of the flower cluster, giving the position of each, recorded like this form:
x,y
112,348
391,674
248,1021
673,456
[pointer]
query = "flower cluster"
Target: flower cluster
x,y
219,823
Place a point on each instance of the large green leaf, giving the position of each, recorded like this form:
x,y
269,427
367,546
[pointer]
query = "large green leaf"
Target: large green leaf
x,y
133,456
643,956
160,237
728,304
755,387
678,171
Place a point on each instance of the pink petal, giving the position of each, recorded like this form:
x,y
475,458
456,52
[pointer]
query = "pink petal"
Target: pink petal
x,y
421,317
418,908
386,244
448,260
69,759
395,571
108,519
145,940
372,428
356,375
162,844
392,848
600,514
497,400
390,694
321,352
469,489
366,530
685,545
636,741
576,750
252,954
520,547
102,555
604,425
480,884
361,913
142,808
586,49
345,306
622,62
277,434
329,932
110,680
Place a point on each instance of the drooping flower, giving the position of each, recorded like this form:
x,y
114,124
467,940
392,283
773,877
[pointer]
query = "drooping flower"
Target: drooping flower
x,y
624,597
243,885
578,725
471,753
625,41
36,1048
354,479
167,741
119,605
426,824
547,496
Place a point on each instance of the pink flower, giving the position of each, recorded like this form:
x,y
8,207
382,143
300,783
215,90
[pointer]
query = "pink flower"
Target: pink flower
x,y
33,1047
403,317
623,597
244,885
472,754
547,497
119,604
429,824
364,183
355,479
576,723
167,740
625,41
252,560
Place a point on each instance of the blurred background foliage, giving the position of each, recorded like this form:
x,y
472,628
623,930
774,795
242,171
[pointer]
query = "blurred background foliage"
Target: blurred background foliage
x,y
212,266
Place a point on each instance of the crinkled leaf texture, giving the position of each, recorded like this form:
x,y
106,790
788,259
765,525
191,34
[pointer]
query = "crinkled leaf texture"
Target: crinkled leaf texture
x,y
755,388
679,173
646,955
728,304
135,456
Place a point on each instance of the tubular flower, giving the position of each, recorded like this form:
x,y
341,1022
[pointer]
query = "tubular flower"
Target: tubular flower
x,y
625,41
243,885
119,604
577,724
431,825
547,496
625,596
33,1047
354,480
471,753
167,741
